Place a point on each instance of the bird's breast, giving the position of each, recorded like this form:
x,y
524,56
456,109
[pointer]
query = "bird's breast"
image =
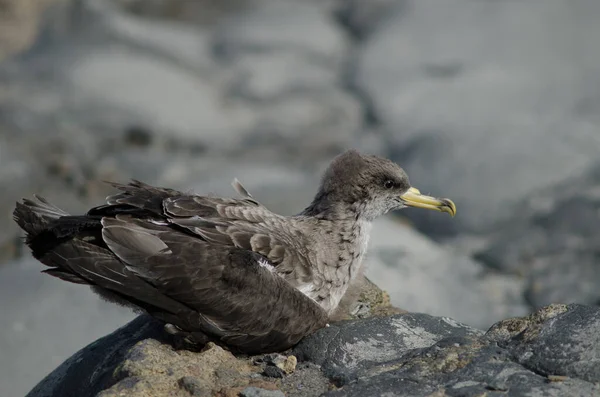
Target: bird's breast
x,y
336,268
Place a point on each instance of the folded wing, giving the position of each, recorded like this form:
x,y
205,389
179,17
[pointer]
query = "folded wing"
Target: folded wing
x,y
203,264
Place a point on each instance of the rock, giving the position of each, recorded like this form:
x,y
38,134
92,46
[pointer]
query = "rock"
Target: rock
x,y
151,367
471,112
421,276
347,350
550,353
551,240
193,386
285,363
256,392
273,372
289,365
307,380
560,340
138,360
467,365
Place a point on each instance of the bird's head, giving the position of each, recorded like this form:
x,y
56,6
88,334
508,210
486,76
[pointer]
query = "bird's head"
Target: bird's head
x,y
375,186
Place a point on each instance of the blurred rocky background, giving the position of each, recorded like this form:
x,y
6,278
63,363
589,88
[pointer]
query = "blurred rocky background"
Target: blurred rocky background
x,y
494,104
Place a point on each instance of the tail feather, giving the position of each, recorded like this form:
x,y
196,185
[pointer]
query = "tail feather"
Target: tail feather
x,y
73,249
47,226
65,275
34,216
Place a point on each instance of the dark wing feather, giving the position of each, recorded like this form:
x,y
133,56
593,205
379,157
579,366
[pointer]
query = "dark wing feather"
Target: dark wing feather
x,y
241,223
233,298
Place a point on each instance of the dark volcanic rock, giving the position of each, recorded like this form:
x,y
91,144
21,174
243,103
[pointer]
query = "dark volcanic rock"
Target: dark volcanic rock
x,y
553,352
273,372
348,349
557,340
508,360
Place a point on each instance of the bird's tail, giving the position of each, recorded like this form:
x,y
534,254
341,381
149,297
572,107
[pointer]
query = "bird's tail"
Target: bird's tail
x,y
35,216
44,224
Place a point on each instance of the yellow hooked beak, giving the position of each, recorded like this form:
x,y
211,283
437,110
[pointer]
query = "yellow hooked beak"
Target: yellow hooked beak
x,y
414,198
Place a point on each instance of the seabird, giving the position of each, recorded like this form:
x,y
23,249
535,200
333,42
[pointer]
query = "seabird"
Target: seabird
x,y
224,269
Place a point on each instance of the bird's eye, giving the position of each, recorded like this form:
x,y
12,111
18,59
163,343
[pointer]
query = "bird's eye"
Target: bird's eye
x,y
388,184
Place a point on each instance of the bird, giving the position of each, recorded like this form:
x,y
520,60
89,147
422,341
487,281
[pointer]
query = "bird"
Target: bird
x,y
222,269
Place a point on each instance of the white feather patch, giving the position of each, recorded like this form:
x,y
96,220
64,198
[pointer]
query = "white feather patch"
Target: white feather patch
x,y
307,288
159,222
264,263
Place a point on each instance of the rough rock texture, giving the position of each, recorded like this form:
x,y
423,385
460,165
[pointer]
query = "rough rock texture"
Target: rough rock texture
x,y
552,240
552,352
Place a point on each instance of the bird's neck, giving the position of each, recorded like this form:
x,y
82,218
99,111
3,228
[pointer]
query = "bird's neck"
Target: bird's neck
x,y
346,232
343,263
326,207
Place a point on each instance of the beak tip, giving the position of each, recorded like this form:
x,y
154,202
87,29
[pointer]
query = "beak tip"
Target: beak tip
x,y
449,207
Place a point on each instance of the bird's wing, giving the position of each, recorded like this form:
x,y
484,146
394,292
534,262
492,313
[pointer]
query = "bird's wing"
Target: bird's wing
x,y
230,295
238,223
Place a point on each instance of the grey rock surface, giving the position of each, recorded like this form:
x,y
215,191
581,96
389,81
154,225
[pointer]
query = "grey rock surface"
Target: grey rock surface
x,y
348,351
252,391
485,101
552,241
568,348
550,353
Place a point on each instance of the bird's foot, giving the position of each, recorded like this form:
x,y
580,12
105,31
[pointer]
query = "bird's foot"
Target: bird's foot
x,y
186,340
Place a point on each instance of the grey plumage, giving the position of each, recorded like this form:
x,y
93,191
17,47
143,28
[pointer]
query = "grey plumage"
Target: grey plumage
x,y
218,268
